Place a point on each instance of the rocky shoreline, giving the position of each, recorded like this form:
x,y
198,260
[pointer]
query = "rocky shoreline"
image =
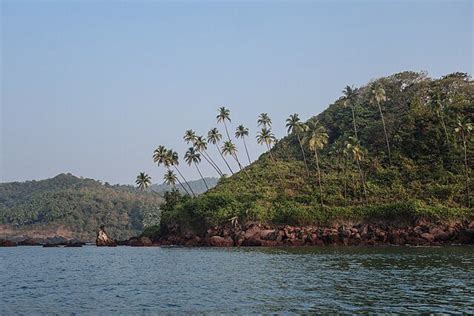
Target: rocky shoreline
x,y
253,234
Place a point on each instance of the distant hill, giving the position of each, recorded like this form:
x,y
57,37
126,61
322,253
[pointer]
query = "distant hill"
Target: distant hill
x,y
197,186
77,205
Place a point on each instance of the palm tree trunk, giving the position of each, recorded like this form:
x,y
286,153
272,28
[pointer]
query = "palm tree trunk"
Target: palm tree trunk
x,y
236,158
319,177
246,150
444,128
213,162
354,122
201,176
185,180
386,136
345,179
362,180
207,159
220,152
302,151
184,188
466,169
226,131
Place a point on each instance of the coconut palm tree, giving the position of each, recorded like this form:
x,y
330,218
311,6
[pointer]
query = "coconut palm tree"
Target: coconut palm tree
x,y
350,95
223,116
357,152
214,137
264,120
439,109
377,96
189,136
143,181
200,143
170,178
297,127
241,132
169,159
268,138
172,160
316,138
462,130
229,148
193,157
340,150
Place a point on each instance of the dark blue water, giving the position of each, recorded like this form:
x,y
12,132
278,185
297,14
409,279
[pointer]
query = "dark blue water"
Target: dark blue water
x,y
123,280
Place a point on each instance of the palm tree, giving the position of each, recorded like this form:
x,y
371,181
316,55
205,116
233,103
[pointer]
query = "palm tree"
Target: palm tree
x,y
377,96
143,181
240,132
223,116
463,129
172,160
316,138
350,95
200,143
264,120
268,138
439,108
214,137
342,152
355,149
189,136
229,148
192,156
161,155
295,126
170,178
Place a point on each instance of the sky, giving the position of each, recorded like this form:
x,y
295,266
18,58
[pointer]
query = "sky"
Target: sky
x,y
93,87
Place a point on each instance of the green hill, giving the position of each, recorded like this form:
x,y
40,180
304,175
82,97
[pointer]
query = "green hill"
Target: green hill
x,y
79,206
424,176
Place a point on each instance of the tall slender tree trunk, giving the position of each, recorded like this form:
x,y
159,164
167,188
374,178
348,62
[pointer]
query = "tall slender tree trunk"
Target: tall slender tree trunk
x,y
236,158
362,179
190,189
207,187
246,150
213,162
466,168
223,158
207,159
354,122
441,117
386,136
345,178
319,177
226,130
184,188
302,151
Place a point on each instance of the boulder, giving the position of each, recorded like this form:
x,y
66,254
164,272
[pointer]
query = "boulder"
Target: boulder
x,y
218,241
268,234
29,242
103,239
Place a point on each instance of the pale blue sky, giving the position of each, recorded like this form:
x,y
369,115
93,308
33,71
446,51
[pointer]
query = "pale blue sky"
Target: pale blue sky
x,y
92,87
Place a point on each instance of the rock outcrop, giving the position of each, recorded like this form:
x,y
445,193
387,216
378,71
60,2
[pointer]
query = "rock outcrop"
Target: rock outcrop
x,y
253,234
103,239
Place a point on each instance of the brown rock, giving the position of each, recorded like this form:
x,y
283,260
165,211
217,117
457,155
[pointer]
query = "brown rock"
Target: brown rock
x,y
427,236
7,243
268,234
103,239
218,241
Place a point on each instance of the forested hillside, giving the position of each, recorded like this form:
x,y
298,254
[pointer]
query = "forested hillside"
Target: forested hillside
x,y
79,205
197,186
400,146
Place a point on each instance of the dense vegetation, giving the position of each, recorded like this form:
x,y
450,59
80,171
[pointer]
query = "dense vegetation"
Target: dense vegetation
x,y
400,146
79,205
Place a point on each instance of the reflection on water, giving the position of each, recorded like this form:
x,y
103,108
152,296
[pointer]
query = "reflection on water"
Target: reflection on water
x,y
246,280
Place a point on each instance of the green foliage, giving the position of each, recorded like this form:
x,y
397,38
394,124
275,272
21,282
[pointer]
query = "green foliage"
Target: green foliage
x,y
426,176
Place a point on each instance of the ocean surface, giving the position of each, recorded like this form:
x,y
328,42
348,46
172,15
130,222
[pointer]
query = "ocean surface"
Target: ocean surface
x,y
124,280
